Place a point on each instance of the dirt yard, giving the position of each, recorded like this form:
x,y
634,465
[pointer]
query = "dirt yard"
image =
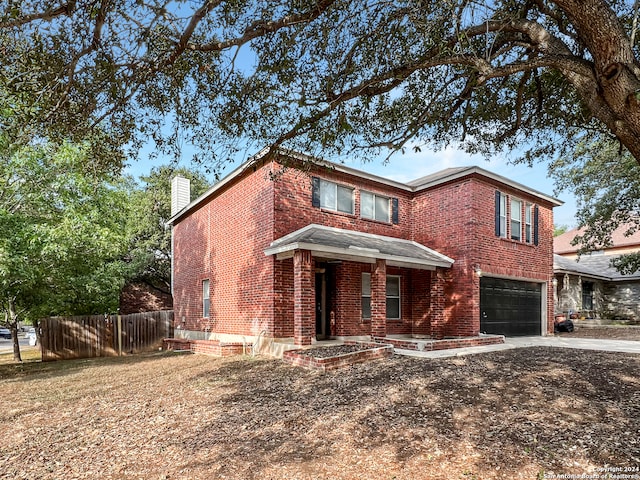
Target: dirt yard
x,y
514,414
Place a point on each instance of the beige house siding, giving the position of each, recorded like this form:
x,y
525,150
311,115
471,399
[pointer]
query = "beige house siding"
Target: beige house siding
x,y
622,301
569,294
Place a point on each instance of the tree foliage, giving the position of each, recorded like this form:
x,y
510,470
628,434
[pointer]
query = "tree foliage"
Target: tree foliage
x,y
606,182
149,258
559,230
62,233
336,75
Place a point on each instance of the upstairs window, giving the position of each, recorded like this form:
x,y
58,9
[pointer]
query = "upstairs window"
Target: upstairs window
x,y
516,220
513,229
528,232
375,207
332,196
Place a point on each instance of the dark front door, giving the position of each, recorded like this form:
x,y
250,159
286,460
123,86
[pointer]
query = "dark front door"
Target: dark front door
x,y
322,331
510,307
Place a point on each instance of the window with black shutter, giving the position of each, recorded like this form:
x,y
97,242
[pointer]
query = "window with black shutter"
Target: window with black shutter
x,y
501,214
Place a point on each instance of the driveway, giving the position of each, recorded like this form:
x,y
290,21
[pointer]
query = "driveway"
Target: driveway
x,y
628,346
6,345
625,346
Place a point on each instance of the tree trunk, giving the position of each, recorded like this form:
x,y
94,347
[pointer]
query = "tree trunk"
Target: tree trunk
x,y
13,326
615,68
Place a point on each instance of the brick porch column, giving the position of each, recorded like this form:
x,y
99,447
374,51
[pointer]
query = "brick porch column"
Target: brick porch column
x,y
437,304
379,299
304,322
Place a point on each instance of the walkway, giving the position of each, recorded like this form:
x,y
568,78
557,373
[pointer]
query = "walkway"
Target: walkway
x,y
628,346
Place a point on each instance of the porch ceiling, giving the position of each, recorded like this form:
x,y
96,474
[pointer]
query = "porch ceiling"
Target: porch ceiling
x,y
338,244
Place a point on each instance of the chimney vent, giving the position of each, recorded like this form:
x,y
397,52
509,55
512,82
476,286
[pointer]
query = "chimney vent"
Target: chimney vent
x,y
180,194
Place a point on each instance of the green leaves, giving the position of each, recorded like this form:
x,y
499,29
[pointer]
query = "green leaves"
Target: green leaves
x,y
62,233
344,76
605,180
149,237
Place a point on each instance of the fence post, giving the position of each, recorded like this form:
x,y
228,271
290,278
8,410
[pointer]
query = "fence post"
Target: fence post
x,y
119,334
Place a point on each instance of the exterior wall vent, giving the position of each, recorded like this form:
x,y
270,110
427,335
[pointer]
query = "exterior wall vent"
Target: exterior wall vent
x,y
180,194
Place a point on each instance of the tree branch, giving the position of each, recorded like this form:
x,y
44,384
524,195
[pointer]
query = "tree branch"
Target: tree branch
x,y
634,24
48,15
261,28
191,27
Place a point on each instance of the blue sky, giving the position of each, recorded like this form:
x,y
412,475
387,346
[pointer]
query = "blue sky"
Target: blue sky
x,y
400,167
413,165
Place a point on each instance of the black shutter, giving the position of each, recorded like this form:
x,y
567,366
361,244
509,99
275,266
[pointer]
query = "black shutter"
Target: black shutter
x,y
535,225
394,211
498,195
315,192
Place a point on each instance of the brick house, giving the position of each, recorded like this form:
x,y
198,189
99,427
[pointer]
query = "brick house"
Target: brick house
x,y
300,256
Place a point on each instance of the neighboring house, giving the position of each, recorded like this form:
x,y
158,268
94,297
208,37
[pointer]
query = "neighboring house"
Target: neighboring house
x,y
139,297
588,285
335,252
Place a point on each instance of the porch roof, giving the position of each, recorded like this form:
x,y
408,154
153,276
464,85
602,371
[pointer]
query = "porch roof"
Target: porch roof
x,y
339,244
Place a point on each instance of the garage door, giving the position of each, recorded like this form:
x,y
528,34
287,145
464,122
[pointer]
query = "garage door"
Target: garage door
x,y
509,307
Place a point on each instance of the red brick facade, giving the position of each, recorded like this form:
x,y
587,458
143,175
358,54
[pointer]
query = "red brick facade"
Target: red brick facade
x,y
458,219
223,238
222,241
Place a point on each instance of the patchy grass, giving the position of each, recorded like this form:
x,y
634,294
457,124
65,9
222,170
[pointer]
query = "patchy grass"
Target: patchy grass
x,y
520,413
28,354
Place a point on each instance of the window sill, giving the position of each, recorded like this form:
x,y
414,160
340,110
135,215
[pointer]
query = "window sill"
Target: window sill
x,y
517,242
379,222
368,320
337,212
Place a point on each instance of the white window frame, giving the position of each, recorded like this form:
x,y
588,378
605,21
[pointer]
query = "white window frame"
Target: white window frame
x,y
399,297
517,219
366,296
374,198
206,301
503,215
337,188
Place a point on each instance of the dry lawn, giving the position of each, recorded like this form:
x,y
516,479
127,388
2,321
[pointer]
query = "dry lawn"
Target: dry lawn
x,y
512,414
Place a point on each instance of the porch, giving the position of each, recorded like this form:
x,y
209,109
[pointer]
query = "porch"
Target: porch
x,y
348,283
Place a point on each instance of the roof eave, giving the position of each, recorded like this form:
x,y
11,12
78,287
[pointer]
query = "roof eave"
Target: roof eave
x,y
583,274
217,186
361,174
365,256
493,176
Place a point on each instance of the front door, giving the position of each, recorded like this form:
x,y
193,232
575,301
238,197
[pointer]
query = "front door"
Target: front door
x,y
322,332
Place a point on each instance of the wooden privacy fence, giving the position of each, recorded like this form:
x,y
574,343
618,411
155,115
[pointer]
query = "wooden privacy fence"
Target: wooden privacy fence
x,y
103,335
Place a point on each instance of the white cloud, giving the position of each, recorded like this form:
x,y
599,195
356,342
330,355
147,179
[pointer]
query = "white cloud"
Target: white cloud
x,y
412,164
